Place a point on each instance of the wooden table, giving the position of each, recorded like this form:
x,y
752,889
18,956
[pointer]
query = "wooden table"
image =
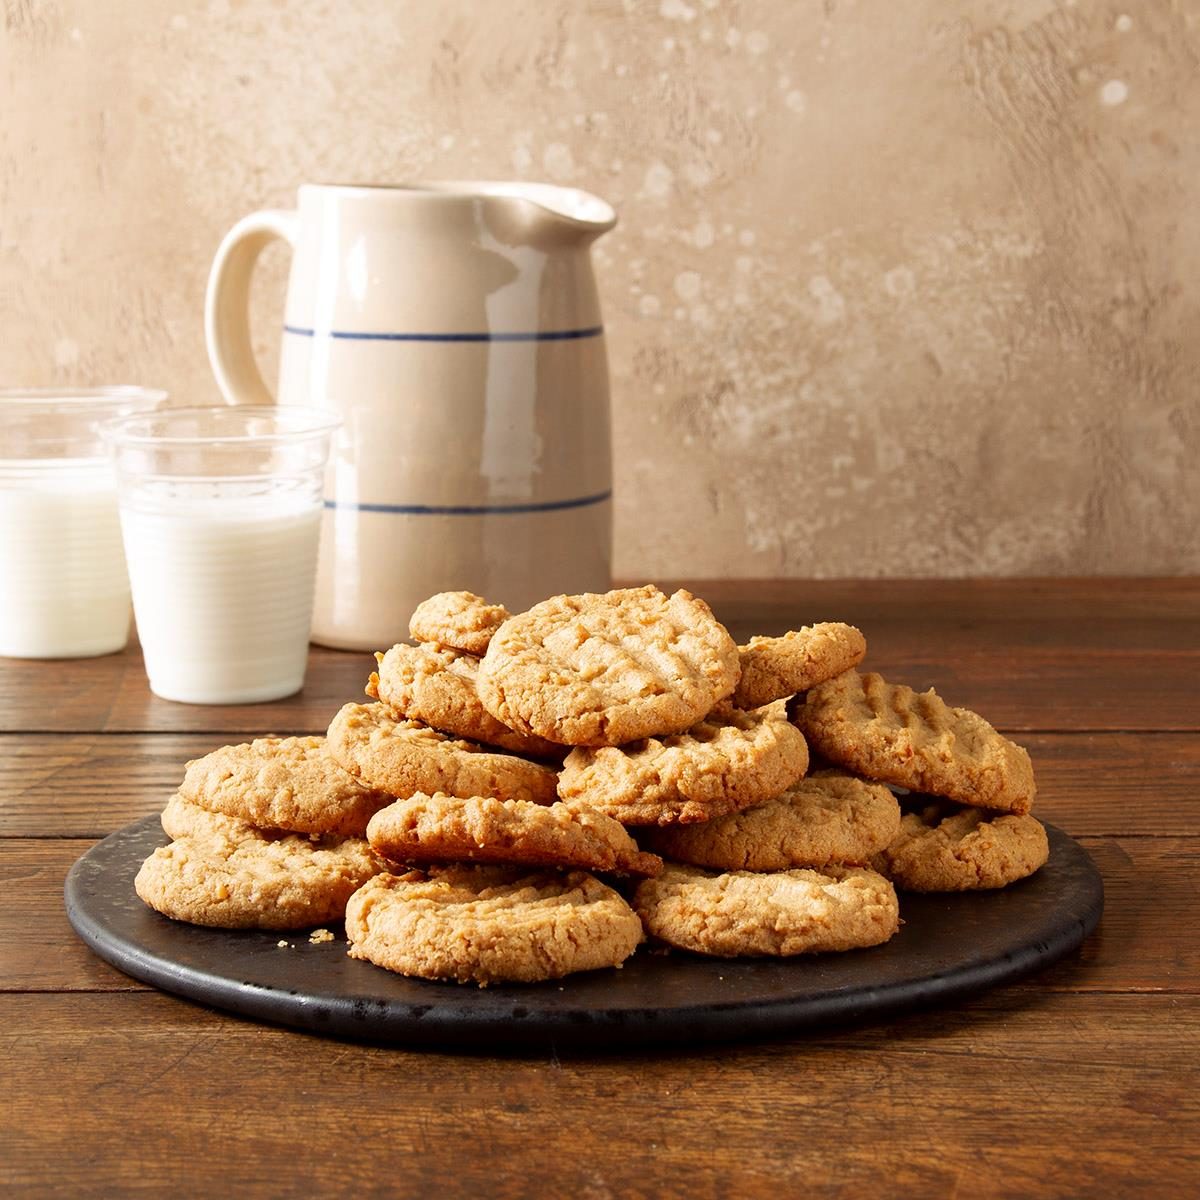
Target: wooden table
x,y
1083,1080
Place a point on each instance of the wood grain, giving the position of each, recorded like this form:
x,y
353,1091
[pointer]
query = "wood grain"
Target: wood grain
x,y
110,695
1117,783
1137,613
1017,1095
87,784
1148,940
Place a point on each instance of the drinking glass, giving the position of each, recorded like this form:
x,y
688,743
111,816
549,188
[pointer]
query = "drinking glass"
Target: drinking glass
x,y
220,512
64,591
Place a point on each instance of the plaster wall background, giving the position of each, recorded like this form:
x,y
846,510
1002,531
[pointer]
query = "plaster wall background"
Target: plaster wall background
x,y
898,289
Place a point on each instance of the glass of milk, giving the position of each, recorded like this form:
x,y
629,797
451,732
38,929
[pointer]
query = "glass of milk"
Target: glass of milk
x,y
221,512
64,592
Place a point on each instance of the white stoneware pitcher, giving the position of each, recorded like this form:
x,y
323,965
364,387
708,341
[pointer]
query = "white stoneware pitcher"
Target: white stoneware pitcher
x,y
455,328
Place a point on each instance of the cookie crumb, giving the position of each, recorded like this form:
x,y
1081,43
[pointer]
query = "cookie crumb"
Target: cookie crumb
x,y
318,936
282,945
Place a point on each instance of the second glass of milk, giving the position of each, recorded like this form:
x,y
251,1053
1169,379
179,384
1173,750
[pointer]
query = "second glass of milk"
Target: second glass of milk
x,y
63,588
220,515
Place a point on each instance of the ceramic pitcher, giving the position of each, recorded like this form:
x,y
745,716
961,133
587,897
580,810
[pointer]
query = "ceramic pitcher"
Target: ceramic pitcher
x,y
455,328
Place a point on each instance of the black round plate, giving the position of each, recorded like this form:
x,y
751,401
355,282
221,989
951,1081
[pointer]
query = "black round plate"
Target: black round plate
x,y
948,946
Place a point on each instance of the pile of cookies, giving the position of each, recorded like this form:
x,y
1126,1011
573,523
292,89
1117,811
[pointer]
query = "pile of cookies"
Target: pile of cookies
x,y
737,800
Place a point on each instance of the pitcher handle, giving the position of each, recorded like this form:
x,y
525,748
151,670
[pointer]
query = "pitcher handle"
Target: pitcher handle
x,y
227,303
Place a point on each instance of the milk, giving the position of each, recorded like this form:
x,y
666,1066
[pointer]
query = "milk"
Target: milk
x,y
223,592
64,592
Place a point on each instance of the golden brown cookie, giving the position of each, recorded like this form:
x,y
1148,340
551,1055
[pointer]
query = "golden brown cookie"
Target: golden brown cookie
x,y
458,620
779,912
915,740
182,818
436,685
282,783
601,670
774,668
446,829
943,848
490,924
256,880
828,817
729,761
405,757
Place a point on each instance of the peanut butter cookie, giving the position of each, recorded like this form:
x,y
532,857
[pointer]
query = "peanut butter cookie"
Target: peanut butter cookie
x,y
780,912
256,879
443,829
829,817
943,848
601,670
182,818
282,783
458,620
890,733
405,757
774,668
436,685
490,924
729,761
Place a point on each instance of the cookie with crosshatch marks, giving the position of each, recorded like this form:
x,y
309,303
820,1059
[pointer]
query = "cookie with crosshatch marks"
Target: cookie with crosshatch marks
x,y
729,761
404,757
889,733
774,668
941,847
745,913
436,685
255,879
604,669
458,620
827,817
489,924
282,783
446,829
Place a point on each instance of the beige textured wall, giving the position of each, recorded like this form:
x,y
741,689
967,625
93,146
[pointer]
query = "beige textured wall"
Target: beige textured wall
x,y
899,288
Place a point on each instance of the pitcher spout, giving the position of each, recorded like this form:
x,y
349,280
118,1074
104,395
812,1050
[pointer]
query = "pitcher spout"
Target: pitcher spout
x,y
545,213
584,214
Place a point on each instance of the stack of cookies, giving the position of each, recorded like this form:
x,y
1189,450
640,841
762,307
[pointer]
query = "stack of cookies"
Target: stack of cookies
x,y
460,821
267,835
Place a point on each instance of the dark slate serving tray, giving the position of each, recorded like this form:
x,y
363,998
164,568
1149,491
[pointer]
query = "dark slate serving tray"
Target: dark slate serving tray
x,y
948,947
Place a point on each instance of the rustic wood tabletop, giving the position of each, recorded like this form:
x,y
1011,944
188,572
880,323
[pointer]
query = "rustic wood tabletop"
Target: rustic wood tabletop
x,y
1081,1080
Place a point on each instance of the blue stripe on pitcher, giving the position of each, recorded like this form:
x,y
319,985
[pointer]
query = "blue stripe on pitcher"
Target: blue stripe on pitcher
x,y
471,510
537,335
